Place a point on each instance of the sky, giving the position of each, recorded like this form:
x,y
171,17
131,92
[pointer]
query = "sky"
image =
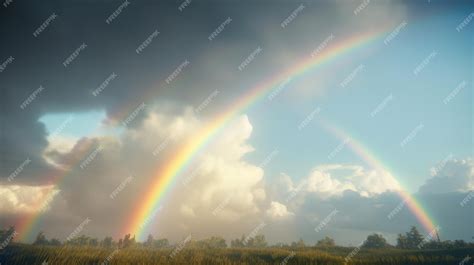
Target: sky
x,y
90,90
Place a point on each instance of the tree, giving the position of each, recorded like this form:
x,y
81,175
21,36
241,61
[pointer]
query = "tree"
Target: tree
x,y
107,242
414,238
40,239
402,241
375,241
7,235
162,243
93,242
280,245
55,242
213,242
410,240
149,241
299,244
238,243
82,240
459,244
326,242
128,241
257,242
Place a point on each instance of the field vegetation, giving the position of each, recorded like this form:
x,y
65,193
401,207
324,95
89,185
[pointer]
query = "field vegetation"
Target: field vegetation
x,y
411,249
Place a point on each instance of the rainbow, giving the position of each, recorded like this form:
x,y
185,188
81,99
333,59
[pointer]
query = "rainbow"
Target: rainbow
x,y
364,153
179,161
29,224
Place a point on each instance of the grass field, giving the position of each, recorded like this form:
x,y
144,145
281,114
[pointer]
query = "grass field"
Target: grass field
x,y
73,255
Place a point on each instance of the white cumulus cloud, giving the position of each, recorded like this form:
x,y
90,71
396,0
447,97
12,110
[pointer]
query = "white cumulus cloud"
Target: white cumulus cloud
x,y
278,211
455,175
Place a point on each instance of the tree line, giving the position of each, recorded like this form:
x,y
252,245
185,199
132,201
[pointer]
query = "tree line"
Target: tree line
x,y
412,239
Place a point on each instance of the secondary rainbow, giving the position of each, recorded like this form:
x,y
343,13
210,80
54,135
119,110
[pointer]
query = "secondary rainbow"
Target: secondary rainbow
x,y
364,153
27,225
165,176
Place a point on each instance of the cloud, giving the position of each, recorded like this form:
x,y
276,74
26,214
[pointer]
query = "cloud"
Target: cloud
x,y
278,211
335,179
454,175
23,199
218,188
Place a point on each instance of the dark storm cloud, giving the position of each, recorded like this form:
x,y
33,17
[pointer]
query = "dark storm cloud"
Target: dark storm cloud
x,y
63,53
43,37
